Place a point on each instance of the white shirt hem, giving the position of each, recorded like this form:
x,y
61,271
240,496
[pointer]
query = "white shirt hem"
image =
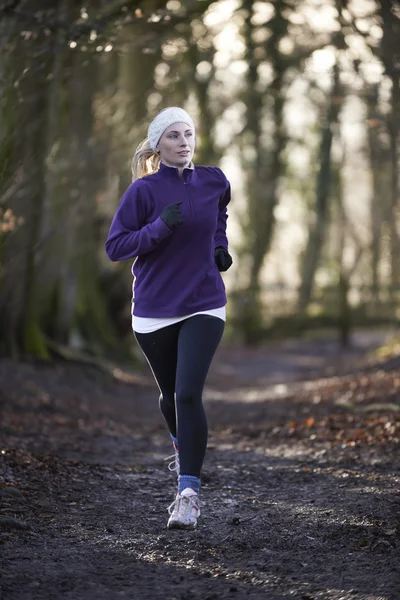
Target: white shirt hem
x,y
150,324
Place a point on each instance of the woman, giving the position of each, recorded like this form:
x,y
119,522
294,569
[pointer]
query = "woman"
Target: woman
x,y
173,219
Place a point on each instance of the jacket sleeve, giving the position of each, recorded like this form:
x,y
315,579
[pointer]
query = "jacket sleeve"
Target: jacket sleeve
x,y
129,234
220,238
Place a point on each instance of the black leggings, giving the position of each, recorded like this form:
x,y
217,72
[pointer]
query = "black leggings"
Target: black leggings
x,y
179,356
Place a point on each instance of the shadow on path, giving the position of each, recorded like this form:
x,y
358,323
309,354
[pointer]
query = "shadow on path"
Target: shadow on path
x,y
287,510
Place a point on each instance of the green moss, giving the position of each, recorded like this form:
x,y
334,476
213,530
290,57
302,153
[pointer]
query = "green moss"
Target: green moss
x,y
91,315
34,341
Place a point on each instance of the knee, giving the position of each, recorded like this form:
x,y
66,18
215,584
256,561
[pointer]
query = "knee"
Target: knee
x,y
188,397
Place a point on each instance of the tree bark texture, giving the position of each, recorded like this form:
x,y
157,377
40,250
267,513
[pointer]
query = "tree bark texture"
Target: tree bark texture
x,y
317,232
26,107
390,56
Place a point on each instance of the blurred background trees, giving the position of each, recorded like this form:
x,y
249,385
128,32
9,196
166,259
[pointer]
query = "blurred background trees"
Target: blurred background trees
x,y
299,103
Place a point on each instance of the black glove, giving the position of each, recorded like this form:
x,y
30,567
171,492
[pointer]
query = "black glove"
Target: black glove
x,y
172,216
223,259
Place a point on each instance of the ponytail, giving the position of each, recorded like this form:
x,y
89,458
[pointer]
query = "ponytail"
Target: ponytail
x,y
145,161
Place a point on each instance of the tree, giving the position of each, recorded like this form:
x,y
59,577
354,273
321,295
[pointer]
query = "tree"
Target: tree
x,y
380,203
22,142
55,159
388,12
317,231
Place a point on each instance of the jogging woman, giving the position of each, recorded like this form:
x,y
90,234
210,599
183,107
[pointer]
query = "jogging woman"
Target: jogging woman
x,y
173,220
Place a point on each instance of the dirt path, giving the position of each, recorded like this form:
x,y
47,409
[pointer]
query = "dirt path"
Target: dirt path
x,y
300,489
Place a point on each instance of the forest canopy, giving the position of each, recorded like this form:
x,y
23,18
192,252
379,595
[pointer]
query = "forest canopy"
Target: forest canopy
x,y
298,102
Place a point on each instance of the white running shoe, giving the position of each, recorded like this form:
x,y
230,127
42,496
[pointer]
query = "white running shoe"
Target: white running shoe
x,y
184,511
174,464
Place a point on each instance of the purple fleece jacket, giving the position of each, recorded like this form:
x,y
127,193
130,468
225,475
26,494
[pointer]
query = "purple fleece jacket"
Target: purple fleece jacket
x,y
175,272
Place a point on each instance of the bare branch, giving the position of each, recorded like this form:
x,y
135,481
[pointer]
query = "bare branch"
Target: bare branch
x,y
11,6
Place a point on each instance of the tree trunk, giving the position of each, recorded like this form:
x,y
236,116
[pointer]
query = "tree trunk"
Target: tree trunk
x,y
380,207
267,178
262,164
135,82
26,153
317,232
344,309
53,254
206,150
390,58
10,309
394,130
81,298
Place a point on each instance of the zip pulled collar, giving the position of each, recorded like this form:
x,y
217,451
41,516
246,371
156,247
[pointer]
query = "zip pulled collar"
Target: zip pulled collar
x,y
173,172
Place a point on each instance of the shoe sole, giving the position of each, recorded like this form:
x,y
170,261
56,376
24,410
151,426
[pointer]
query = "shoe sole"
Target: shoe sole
x,y
177,525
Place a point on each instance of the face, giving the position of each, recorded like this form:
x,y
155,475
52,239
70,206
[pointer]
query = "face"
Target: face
x,y
176,145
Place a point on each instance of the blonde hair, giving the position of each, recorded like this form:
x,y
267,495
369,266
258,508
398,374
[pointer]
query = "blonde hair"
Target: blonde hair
x,y
145,161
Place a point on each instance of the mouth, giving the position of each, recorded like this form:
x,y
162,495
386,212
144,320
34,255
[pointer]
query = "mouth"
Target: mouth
x,y
184,153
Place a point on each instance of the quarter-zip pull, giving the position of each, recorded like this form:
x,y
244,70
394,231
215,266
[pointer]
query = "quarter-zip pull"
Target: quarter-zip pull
x,y
189,199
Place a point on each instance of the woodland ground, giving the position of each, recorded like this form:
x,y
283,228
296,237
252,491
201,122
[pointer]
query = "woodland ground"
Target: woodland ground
x,y
300,493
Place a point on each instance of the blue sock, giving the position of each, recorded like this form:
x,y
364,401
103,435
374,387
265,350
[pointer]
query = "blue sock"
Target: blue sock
x,y
174,439
188,481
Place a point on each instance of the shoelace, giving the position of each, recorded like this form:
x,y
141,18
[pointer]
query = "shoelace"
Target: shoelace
x,y
185,504
174,464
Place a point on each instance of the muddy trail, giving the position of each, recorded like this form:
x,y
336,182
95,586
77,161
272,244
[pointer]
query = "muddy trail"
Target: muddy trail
x,y
300,489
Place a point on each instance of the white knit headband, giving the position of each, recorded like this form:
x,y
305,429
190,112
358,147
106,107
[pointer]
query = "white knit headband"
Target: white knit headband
x,y
163,120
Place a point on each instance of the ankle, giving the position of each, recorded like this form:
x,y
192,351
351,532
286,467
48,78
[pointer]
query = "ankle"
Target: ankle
x,y
188,481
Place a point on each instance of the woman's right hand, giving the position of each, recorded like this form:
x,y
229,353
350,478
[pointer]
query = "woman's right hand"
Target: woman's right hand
x,y
172,216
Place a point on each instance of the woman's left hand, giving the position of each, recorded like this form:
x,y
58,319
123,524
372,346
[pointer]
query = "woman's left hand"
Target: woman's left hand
x,y
223,259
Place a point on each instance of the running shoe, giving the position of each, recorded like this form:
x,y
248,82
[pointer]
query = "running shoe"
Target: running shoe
x,y
184,511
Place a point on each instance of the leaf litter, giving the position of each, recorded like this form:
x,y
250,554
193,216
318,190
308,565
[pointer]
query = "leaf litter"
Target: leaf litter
x,y
300,491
